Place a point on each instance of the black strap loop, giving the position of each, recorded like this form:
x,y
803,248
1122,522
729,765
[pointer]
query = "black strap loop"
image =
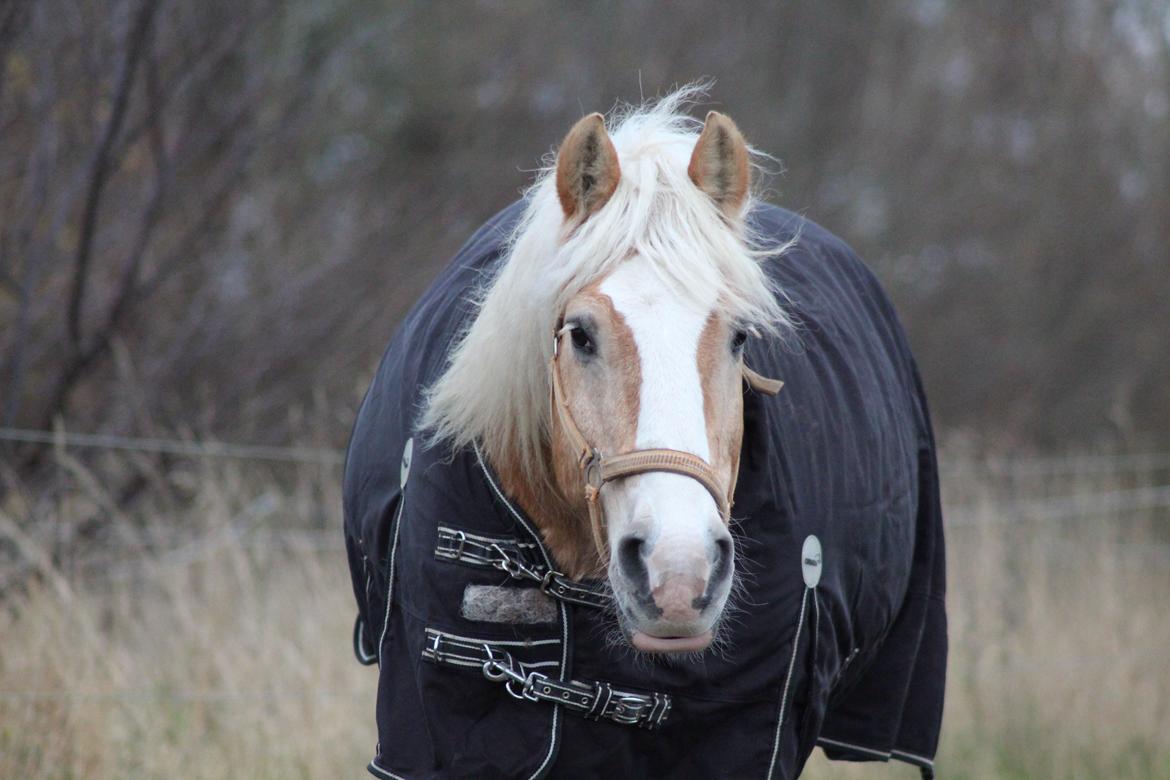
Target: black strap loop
x,y
363,647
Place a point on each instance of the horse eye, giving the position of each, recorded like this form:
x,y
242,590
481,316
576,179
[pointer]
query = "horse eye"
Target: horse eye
x,y
581,340
738,340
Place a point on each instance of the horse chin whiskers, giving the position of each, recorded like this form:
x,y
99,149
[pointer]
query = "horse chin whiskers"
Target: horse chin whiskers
x,y
721,643
743,574
619,629
618,640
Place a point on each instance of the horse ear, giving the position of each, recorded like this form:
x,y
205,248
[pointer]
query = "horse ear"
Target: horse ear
x,y
719,164
587,168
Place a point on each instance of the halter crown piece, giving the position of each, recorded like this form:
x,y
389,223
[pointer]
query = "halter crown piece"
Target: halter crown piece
x,y
598,469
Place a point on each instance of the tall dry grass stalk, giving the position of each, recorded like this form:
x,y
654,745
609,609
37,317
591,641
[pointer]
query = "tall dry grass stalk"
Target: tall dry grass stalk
x,y
219,645
224,652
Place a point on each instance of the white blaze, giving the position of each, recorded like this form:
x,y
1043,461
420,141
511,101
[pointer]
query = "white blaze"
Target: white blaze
x,y
674,513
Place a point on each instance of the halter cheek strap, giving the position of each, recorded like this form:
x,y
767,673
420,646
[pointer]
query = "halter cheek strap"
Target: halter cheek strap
x,y
597,469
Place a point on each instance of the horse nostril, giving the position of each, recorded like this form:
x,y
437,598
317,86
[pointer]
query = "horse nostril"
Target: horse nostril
x,y
631,560
721,566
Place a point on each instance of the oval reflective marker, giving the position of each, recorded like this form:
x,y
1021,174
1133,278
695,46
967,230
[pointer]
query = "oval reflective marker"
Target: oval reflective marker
x,y
404,471
810,561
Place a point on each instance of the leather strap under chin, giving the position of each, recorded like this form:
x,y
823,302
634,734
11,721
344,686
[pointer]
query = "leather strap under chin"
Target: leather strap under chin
x,y
597,469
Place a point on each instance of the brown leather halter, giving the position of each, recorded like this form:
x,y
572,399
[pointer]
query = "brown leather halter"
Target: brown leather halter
x,y
598,469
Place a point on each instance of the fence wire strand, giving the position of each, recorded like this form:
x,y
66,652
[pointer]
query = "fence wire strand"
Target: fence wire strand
x,y
195,449
1017,466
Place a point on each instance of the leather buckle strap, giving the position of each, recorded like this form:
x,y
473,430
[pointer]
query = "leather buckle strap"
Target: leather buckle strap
x,y
511,556
562,588
522,681
455,544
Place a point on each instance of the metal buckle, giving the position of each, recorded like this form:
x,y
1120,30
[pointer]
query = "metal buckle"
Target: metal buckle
x,y
513,566
628,709
501,669
591,469
530,684
492,669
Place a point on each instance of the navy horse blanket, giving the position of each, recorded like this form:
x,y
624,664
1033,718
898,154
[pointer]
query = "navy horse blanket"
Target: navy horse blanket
x,y
839,641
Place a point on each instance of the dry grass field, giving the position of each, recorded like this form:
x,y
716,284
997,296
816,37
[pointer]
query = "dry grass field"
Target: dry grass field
x,y
210,638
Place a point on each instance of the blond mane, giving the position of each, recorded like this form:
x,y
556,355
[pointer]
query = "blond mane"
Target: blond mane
x,y
495,388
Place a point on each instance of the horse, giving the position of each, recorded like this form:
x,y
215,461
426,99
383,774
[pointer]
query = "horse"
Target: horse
x,y
645,484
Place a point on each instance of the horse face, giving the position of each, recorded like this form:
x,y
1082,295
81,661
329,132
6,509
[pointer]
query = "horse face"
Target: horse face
x,y
651,368
647,369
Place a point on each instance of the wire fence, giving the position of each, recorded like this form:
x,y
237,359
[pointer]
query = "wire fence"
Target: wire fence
x,y
181,546
1063,465
193,449
178,546
1109,504
172,695
1011,466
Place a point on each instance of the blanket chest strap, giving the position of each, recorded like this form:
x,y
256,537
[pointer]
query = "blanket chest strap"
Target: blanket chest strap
x,y
593,700
514,558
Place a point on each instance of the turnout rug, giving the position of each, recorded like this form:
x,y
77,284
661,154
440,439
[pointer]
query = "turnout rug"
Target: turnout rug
x,y
491,664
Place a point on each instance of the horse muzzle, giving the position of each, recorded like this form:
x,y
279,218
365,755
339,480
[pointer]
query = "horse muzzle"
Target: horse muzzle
x,y
671,594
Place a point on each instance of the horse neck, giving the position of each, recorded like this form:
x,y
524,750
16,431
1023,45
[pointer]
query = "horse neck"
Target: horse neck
x,y
562,521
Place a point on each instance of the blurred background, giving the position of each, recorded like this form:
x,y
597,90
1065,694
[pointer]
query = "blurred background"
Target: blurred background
x,y
212,216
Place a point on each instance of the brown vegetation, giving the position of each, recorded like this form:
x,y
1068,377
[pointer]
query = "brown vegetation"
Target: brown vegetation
x,y
217,645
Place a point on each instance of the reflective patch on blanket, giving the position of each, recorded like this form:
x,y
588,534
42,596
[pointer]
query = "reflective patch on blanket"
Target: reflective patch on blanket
x,y
500,604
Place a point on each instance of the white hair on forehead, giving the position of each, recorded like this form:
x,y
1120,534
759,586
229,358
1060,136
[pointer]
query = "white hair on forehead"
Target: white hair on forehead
x,y
495,388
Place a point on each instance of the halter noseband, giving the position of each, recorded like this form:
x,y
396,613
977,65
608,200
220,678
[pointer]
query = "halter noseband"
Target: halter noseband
x,y
597,469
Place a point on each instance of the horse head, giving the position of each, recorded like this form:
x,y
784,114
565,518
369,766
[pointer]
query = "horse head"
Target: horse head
x,y
603,374
640,368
